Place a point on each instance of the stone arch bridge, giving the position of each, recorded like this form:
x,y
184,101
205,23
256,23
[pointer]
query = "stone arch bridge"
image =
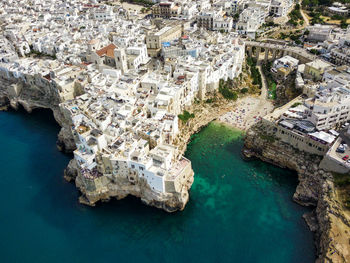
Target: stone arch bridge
x,y
277,50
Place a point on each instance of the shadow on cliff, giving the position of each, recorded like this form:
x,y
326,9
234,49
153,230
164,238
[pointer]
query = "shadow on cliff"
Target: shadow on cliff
x,y
39,120
289,177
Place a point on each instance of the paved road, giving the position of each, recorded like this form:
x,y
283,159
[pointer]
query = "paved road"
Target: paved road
x,y
264,89
306,20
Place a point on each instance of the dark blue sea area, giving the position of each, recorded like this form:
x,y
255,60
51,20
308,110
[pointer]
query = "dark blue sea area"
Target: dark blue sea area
x,y
238,211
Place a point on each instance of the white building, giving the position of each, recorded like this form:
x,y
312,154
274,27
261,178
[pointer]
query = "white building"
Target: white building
x,y
329,107
280,8
250,20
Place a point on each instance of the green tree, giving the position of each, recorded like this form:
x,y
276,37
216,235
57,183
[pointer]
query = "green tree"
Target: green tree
x,y
306,2
244,90
343,23
186,116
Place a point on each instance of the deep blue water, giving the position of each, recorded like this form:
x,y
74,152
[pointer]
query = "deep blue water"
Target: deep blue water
x,y
239,211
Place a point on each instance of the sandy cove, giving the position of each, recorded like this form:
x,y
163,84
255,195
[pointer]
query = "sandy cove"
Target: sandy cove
x,y
240,114
246,113
249,110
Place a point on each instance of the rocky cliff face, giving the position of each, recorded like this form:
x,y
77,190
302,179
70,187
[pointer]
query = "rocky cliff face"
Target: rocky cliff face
x,y
121,188
110,187
328,220
286,90
30,97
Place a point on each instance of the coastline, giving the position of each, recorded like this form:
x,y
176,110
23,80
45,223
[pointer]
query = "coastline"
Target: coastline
x,y
105,189
225,112
230,126
328,221
205,210
247,112
204,114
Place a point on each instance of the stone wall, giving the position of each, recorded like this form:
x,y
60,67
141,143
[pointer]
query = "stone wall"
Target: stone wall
x,y
329,164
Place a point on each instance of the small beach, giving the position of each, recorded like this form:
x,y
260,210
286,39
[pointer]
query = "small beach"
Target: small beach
x,y
238,210
246,113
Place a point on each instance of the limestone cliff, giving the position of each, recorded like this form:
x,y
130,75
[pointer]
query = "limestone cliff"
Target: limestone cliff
x,y
15,94
286,91
110,187
329,220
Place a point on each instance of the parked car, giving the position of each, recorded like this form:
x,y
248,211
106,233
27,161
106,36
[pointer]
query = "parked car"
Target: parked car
x,y
340,149
346,157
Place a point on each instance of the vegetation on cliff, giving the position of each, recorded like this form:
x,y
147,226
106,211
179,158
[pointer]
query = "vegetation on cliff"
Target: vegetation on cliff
x,y
255,74
268,138
186,116
226,89
271,83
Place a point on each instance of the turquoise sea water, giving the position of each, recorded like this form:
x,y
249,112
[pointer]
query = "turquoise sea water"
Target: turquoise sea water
x,y
239,211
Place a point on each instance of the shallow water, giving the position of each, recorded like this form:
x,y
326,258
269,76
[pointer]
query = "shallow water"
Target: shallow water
x,y
238,212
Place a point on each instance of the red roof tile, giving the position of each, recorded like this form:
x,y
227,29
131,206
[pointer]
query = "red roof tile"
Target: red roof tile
x,y
107,51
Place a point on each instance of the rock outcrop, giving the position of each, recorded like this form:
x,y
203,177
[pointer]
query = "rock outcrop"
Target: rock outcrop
x,y
16,94
109,188
286,91
329,221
